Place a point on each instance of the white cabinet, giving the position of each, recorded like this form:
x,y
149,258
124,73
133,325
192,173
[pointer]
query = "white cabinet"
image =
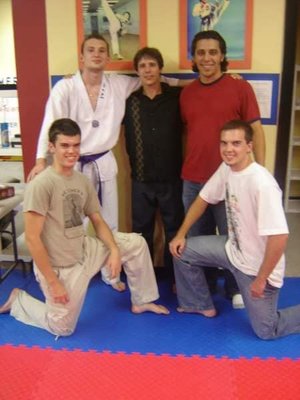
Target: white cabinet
x,y
292,190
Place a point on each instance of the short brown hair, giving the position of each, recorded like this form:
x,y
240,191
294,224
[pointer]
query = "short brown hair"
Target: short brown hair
x,y
96,36
150,52
63,126
238,124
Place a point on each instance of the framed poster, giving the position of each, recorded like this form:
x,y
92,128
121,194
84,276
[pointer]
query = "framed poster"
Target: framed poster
x,y
121,22
231,18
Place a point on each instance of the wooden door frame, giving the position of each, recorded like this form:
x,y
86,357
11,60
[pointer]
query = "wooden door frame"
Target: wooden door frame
x,y
286,92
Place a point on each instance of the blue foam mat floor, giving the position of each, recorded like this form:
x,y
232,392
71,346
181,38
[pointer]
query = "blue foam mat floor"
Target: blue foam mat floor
x,y
106,324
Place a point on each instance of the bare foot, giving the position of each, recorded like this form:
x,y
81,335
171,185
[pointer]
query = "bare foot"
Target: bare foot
x,y
152,307
206,313
5,308
119,286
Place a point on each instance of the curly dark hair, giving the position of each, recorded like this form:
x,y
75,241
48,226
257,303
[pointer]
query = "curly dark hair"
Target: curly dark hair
x,y
210,35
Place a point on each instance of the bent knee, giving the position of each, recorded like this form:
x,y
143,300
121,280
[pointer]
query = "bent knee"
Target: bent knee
x,y
61,327
265,336
264,333
61,331
131,239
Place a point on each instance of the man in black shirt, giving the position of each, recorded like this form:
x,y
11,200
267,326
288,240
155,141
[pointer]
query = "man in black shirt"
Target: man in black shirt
x,y
153,132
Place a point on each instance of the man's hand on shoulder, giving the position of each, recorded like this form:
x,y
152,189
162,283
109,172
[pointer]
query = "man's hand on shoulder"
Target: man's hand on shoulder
x,y
236,76
185,82
68,76
39,167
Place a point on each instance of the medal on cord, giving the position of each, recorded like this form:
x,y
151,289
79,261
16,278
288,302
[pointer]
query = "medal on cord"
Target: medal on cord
x,y
96,123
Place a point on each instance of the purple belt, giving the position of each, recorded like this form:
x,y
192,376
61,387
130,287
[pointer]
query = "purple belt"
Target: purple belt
x,y
84,160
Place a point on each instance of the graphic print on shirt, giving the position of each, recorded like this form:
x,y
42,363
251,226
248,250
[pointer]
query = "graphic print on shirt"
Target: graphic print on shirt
x,y
232,208
72,209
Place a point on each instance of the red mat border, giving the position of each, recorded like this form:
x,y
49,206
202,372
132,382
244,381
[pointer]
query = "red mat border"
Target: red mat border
x,y
35,374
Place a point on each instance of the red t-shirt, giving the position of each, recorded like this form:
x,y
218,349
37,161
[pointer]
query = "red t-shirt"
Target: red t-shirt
x,y
205,109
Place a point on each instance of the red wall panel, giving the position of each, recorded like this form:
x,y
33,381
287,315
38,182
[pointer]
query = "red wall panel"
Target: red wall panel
x,y
29,20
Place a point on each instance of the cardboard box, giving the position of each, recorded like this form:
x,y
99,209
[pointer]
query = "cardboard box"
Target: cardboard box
x,y
6,191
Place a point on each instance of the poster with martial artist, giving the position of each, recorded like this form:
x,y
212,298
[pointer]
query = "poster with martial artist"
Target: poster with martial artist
x,y
121,22
231,18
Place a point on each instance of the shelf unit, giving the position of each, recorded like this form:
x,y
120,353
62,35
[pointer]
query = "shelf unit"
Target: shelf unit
x,y
292,189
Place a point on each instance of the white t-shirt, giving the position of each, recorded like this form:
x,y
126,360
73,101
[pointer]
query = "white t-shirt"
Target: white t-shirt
x,y
254,212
